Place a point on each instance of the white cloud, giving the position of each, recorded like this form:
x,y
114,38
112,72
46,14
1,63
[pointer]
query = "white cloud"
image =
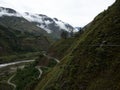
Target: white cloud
x,y
75,12
62,25
32,17
5,12
47,30
47,22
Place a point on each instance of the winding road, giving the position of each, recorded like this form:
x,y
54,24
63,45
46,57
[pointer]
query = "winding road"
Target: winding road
x,y
14,86
13,63
10,83
58,61
37,67
40,70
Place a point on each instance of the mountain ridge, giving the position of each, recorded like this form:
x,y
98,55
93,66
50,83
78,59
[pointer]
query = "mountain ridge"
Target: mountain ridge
x,y
50,25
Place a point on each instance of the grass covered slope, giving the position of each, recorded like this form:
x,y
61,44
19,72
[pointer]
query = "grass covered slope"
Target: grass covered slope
x,y
14,41
94,62
19,23
62,47
8,40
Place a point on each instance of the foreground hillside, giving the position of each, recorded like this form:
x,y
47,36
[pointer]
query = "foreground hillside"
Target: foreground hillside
x,y
93,63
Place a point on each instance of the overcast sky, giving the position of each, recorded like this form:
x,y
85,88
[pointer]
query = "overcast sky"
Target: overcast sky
x,y
74,12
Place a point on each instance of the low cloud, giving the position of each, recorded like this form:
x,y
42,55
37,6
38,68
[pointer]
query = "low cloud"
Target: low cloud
x,y
70,11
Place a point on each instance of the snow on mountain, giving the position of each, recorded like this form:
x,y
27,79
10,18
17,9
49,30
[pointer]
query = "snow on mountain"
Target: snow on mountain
x,y
61,25
45,22
8,12
48,24
42,26
32,17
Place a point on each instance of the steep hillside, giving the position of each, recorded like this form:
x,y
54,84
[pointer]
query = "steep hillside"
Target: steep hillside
x,y
61,47
18,35
15,41
94,61
14,20
8,40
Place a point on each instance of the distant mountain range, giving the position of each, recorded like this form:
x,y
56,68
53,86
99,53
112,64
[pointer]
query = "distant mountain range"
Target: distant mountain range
x,y
39,22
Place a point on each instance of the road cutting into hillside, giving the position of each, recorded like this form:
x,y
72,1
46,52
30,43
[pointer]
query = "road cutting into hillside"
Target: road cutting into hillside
x,y
10,83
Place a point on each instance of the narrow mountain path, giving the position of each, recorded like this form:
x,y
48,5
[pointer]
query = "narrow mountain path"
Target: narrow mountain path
x,y
40,71
58,61
10,83
39,67
14,63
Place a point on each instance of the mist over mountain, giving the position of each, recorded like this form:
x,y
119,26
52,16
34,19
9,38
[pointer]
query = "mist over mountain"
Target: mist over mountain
x,y
50,25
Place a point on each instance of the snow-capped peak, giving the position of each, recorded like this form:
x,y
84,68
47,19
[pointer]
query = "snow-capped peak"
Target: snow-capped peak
x,y
47,30
42,21
32,17
8,12
47,23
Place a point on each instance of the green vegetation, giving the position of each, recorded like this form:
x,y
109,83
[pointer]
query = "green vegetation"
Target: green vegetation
x,y
52,63
26,77
62,47
93,61
64,34
89,61
5,86
19,57
14,41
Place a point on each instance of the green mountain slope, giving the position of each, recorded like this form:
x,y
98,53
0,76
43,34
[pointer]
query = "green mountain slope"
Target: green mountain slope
x,y
62,47
19,23
94,61
14,41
